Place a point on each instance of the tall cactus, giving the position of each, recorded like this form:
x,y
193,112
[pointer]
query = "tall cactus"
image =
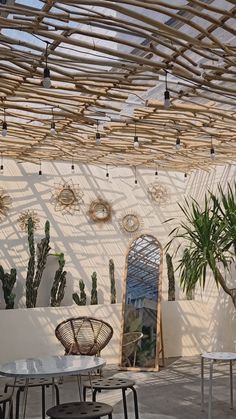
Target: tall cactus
x,y
33,278
8,282
80,299
171,278
31,264
94,294
112,281
59,283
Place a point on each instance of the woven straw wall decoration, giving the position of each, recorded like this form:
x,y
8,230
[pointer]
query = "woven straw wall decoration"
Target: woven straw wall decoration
x,y
131,222
5,204
100,210
67,197
24,218
158,193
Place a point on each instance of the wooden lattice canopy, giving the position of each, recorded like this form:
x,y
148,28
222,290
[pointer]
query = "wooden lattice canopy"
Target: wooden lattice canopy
x,y
109,62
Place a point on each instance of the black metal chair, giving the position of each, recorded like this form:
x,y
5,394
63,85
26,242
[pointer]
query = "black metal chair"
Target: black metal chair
x,y
4,399
42,382
80,410
112,383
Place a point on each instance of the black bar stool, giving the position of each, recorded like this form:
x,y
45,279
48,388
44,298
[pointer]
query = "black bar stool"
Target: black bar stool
x,y
80,410
4,399
42,382
114,384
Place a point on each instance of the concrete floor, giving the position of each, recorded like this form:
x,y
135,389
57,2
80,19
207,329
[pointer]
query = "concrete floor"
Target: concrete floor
x,y
172,393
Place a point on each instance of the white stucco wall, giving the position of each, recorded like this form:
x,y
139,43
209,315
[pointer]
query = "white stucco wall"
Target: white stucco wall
x,y
88,246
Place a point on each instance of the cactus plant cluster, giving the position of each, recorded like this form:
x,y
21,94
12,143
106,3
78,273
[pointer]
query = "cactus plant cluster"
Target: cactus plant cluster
x,y
59,283
34,276
80,299
8,282
94,293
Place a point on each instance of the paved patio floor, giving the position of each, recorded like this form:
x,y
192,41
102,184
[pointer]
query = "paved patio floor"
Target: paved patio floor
x,y
172,393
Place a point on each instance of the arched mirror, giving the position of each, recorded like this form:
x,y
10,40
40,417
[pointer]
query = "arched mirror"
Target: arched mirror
x,y
141,305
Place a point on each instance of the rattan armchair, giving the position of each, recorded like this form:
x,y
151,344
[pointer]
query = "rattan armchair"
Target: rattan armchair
x,y
83,335
129,347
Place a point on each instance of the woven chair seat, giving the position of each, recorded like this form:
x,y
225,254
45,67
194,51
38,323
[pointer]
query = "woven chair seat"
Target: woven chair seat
x,y
79,410
83,335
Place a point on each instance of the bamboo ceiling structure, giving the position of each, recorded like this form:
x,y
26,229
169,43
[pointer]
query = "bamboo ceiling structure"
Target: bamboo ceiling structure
x,y
108,62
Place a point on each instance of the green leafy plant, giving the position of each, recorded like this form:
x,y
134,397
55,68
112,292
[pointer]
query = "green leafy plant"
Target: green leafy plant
x,y
112,281
34,276
171,278
8,282
208,240
59,283
94,294
80,299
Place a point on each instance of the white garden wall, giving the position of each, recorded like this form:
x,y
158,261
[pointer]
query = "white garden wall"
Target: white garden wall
x,y
88,246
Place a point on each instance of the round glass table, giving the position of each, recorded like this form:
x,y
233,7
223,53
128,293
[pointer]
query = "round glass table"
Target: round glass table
x,y
216,357
51,366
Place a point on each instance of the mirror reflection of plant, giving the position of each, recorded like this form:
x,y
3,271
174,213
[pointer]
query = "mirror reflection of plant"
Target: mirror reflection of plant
x,y
209,240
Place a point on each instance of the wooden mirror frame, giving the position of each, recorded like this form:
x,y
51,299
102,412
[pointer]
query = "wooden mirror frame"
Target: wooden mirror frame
x,y
159,338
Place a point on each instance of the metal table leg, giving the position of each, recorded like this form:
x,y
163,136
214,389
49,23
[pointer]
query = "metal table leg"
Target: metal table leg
x,y
210,389
202,383
231,385
25,397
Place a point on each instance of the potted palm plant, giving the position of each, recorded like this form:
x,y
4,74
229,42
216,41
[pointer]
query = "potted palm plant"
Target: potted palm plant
x,y
208,240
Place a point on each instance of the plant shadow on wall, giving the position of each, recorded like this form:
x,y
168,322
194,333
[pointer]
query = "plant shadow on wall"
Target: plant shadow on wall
x,y
208,241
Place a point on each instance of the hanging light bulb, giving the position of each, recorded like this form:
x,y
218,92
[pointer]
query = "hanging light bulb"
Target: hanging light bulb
x,y
4,124
136,141
178,144
1,166
46,72
107,172
156,172
212,150
185,176
135,176
98,136
53,128
166,94
53,125
40,168
72,167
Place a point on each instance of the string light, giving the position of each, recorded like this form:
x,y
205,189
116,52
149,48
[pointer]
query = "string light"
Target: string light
x,y
46,72
40,168
98,135
166,94
53,125
4,124
136,141
107,172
